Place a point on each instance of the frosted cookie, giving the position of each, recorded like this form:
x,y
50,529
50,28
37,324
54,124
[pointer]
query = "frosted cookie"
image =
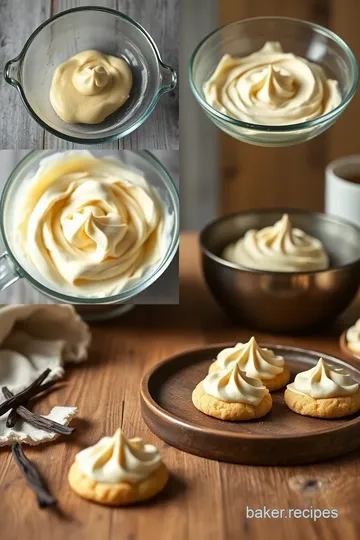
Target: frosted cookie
x,y
257,362
229,394
323,392
116,471
353,338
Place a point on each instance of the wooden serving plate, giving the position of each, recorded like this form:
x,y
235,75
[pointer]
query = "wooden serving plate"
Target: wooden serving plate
x,y
349,355
280,438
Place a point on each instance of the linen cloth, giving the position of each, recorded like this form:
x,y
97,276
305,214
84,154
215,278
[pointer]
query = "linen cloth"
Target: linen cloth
x,y
33,338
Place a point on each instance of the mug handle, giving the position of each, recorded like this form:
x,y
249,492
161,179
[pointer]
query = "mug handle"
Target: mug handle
x,y
8,274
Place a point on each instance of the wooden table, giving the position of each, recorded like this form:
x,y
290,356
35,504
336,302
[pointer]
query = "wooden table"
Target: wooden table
x,y
205,500
18,19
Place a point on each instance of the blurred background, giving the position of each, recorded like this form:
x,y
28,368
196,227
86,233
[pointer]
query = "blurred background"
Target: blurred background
x,y
222,175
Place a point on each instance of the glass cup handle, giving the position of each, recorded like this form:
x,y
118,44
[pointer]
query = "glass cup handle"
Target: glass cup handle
x,y
8,274
168,77
12,71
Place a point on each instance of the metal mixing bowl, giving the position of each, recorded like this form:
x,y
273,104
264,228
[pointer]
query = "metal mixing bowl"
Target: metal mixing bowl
x,y
283,301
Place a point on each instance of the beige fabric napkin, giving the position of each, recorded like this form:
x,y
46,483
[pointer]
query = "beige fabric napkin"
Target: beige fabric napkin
x,y
32,338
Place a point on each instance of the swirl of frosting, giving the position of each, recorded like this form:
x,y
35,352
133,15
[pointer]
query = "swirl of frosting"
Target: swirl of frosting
x,y
323,381
254,360
90,80
235,386
114,460
353,337
89,87
271,87
279,248
90,226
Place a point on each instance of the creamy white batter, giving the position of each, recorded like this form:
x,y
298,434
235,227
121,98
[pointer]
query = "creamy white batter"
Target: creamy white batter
x,y
90,226
270,87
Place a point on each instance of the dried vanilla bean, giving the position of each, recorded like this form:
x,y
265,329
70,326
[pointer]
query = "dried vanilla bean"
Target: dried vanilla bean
x,y
23,396
37,420
33,477
13,416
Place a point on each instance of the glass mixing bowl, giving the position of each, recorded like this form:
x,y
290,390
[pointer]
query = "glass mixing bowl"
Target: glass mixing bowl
x,y
76,30
302,38
14,265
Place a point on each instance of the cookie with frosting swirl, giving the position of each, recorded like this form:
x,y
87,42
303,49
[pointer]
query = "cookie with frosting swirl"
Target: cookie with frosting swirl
x,y
323,392
229,394
255,361
118,471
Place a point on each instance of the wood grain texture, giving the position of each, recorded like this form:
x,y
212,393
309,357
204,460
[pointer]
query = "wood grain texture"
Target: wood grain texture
x,y
161,20
205,499
17,128
255,177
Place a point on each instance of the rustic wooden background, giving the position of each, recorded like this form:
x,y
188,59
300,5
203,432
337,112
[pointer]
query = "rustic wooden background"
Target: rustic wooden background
x,y
19,18
205,499
254,177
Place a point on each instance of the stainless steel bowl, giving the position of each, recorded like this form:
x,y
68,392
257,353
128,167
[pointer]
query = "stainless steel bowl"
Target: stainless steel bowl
x,y
283,301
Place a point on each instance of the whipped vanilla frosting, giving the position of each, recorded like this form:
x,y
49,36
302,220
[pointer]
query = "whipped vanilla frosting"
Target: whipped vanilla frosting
x,y
353,337
278,248
256,361
234,386
89,226
89,87
114,460
324,381
270,87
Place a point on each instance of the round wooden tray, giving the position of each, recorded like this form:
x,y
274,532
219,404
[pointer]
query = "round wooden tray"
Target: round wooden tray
x,y
279,438
349,355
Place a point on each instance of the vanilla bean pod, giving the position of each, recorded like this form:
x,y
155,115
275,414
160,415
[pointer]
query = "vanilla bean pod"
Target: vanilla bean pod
x,y
13,416
33,477
37,420
23,396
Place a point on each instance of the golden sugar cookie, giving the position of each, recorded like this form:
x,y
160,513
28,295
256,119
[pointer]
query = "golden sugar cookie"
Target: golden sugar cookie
x,y
120,494
279,381
232,411
334,407
118,471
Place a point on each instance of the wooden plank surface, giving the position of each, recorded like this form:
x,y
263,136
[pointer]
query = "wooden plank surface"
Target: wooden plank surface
x,y
205,499
17,128
255,177
159,17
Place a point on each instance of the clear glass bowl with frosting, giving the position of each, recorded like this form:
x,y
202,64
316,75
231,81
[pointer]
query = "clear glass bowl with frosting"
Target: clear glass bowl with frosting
x,y
73,31
325,53
100,218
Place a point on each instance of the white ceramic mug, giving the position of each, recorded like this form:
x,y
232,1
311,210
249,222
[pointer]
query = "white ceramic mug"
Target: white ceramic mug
x,y
342,196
